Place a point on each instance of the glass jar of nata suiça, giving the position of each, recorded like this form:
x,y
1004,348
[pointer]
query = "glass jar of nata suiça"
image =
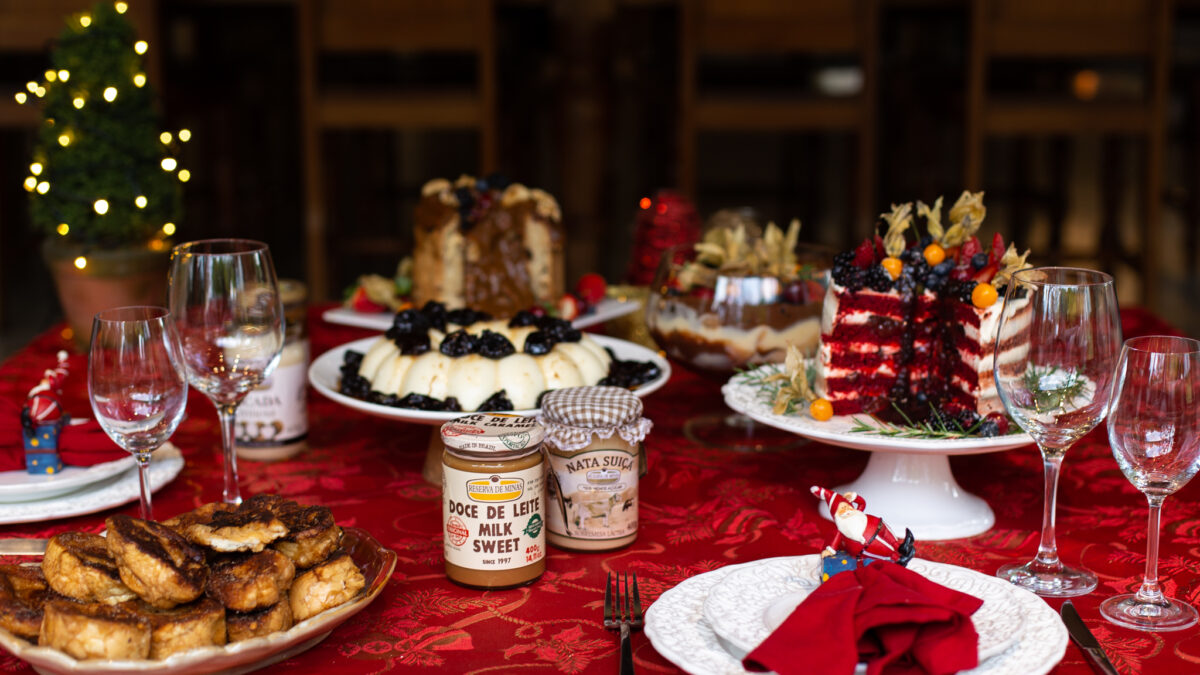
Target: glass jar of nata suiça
x,y
493,492
593,446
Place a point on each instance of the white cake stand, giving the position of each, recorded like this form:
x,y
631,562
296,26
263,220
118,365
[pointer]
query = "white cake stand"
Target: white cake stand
x,y
907,482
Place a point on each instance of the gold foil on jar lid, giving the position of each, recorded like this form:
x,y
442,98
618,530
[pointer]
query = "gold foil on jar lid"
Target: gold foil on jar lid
x,y
492,436
572,416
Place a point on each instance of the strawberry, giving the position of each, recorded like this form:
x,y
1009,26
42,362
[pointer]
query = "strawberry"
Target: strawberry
x,y
969,248
591,288
880,251
359,302
568,307
864,255
987,272
997,248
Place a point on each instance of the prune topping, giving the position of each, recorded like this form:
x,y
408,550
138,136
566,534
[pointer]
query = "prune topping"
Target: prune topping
x,y
420,402
354,385
559,330
435,312
465,317
494,345
412,344
629,374
408,322
352,359
451,404
523,318
496,402
538,343
459,343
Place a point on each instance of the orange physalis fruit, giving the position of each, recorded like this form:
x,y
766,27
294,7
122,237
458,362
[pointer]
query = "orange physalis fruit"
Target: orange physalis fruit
x,y
893,266
821,410
934,254
984,295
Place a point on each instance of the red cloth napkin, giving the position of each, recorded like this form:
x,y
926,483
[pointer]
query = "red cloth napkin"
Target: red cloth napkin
x,y
78,444
894,619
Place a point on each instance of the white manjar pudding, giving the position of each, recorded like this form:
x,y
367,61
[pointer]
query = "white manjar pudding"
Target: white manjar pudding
x,y
593,441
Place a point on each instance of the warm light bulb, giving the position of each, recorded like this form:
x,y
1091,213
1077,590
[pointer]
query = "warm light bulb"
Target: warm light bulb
x,y
110,94
644,202
121,7
185,135
51,76
80,262
140,46
140,201
43,187
63,229
165,137
168,164
85,20
139,80
35,168
184,175
169,229
64,140
78,102
101,206
41,91
21,97
30,183
31,86
64,75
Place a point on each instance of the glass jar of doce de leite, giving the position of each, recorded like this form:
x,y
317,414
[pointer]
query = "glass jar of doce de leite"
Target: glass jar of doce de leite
x,y
593,445
272,422
493,492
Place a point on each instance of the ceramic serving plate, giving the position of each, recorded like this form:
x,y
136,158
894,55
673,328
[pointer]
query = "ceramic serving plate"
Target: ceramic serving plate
x,y
609,308
375,562
22,486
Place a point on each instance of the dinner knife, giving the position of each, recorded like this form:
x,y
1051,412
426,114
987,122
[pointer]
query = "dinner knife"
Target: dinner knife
x,y
23,546
1083,637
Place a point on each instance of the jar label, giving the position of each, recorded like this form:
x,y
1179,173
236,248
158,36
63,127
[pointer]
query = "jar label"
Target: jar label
x,y
493,522
593,495
276,412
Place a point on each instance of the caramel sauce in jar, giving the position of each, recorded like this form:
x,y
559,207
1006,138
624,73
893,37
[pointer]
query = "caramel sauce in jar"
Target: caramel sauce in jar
x,y
493,498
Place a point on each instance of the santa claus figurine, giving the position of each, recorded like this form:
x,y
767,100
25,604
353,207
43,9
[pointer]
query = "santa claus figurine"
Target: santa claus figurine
x,y
861,537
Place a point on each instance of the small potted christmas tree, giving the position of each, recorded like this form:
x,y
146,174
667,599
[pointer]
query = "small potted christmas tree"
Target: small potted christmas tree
x,y
103,182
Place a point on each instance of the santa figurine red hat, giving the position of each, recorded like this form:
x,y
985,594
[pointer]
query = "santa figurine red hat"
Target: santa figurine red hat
x,y
860,535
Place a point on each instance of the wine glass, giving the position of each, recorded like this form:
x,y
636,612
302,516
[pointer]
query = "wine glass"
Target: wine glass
x,y
1154,430
224,298
717,322
136,383
1056,346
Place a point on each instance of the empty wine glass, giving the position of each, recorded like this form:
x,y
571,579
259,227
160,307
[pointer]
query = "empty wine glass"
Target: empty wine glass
x,y
1057,343
224,298
136,383
1154,430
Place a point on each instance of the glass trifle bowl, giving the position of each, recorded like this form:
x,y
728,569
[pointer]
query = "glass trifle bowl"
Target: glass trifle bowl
x,y
735,301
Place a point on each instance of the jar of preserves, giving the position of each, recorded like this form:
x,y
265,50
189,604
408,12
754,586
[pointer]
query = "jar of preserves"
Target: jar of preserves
x,y
593,444
272,421
493,492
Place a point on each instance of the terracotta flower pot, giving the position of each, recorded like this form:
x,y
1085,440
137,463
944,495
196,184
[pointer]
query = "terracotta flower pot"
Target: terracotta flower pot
x,y
135,275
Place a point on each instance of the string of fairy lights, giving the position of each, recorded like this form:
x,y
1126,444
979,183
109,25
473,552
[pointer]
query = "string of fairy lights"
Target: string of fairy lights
x,y
36,183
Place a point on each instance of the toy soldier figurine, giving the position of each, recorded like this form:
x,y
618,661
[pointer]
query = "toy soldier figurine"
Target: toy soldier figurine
x,y
861,537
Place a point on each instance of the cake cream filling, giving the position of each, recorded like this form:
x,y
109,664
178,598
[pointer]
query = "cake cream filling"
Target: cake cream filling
x,y
758,344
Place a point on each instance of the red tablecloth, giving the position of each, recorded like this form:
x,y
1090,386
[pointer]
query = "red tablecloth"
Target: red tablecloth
x,y
701,509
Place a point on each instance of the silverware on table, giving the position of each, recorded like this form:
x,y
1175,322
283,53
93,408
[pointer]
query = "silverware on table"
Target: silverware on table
x,y
1083,637
23,546
623,611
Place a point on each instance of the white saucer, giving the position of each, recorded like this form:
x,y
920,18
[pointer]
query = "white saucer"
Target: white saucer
x,y
22,486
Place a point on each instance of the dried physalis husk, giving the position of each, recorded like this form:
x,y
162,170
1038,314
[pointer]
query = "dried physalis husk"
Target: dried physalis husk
x,y
776,251
899,220
796,386
730,251
933,219
1010,263
966,217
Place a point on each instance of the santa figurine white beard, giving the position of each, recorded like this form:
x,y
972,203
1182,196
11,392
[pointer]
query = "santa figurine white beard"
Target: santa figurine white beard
x,y
851,522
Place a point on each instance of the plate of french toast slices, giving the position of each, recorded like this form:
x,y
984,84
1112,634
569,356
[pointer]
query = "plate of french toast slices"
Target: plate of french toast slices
x,y
223,588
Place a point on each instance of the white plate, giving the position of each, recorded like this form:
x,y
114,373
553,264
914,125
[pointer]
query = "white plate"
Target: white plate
x,y
750,603
325,372
608,308
375,562
22,486
752,401
677,628
112,491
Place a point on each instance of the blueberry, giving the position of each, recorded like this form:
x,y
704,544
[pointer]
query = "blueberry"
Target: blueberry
x,y
943,268
979,261
495,346
459,343
988,429
925,241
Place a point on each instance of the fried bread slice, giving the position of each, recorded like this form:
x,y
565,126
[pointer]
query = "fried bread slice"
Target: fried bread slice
x,y
245,625
93,630
182,627
201,514
246,528
156,562
23,592
325,585
246,582
79,566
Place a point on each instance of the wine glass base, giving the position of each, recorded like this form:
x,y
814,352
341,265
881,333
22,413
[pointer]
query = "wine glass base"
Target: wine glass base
x,y
1128,611
1065,582
739,433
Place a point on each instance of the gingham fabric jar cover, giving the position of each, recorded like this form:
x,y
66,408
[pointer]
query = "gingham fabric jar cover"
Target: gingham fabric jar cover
x,y
572,416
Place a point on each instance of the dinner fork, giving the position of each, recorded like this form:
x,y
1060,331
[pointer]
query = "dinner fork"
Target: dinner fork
x,y
623,611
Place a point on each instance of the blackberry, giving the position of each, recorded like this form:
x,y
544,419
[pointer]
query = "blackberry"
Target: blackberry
x,y
843,268
979,261
967,419
495,346
964,290
855,279
538,343
465,317
942,421
495,402
435,312
523,318
878,279
911,256
459,343
988,429
408,322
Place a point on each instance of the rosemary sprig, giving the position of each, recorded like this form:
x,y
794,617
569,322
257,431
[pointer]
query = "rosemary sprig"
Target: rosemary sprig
x,y
1053,388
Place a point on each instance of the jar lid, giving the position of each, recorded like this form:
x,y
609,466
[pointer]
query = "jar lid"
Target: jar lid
x,y
493,436
573,415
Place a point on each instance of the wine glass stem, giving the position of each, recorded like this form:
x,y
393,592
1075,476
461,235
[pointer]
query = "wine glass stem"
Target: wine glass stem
x,y
1150,592
1047,555
226,414
143,463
